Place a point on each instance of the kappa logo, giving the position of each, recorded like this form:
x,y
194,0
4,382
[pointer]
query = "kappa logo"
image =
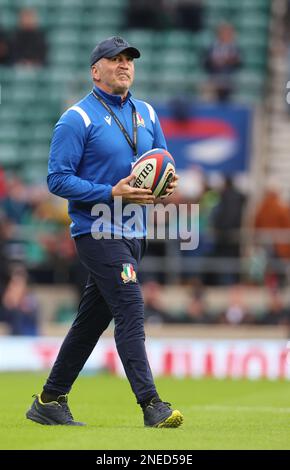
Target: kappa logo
x,y
128,274
108,119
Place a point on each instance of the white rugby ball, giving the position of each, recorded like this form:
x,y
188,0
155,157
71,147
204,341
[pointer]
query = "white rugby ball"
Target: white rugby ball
x,y
154,170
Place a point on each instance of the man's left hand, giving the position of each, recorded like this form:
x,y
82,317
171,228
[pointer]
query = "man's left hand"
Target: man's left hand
x,y
172,186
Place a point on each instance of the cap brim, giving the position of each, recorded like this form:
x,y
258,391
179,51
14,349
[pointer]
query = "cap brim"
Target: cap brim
x,y
132,51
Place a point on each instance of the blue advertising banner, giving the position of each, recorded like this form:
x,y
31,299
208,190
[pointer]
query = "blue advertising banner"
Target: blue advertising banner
x,y
213,137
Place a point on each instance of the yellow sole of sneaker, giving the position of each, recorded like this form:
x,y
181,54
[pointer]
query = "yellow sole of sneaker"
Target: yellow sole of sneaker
x,y
174,421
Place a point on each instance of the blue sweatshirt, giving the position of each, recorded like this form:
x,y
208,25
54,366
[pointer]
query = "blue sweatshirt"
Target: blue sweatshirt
x,y
89,153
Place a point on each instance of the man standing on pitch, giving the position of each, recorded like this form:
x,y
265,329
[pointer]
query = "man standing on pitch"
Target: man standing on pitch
x,y
93,147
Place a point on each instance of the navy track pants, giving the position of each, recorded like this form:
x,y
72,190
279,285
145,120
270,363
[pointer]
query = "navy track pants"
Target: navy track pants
x,y
111,292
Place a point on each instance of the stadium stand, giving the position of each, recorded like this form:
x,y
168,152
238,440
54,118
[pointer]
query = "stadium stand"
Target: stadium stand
x,y
32,99
171,64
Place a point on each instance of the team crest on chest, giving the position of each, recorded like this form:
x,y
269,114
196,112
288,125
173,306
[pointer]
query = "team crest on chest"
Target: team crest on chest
x,y
140,120
128,274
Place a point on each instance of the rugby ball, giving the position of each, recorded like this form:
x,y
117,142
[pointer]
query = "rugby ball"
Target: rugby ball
x,y
154,170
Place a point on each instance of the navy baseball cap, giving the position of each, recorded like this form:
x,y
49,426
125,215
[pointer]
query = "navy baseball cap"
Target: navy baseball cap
x,y
111,47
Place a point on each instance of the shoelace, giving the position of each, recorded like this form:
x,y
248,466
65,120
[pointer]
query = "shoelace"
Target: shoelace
x,y
165,403
62,400
159,404
67,411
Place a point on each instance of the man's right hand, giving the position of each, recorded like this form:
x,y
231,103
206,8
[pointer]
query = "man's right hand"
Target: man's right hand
x,y
131,194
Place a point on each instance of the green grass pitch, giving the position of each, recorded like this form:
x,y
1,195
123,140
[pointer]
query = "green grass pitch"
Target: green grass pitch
x,y
219,414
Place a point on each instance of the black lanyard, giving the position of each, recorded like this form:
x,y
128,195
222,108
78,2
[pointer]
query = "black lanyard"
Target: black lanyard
x,y
133,144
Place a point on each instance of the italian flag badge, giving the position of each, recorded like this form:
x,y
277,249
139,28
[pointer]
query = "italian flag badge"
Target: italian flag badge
x,y
128,274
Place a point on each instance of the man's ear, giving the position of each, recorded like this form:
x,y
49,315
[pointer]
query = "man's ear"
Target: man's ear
x,y
95,72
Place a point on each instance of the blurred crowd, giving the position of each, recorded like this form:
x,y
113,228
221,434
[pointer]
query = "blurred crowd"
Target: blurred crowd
x,y
164,14
36,248
220,60
238,249
27,45
199,309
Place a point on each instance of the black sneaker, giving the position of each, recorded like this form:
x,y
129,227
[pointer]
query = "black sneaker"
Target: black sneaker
x,y
158,414
54,412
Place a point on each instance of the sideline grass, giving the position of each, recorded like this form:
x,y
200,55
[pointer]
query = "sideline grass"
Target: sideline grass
x,y
219,414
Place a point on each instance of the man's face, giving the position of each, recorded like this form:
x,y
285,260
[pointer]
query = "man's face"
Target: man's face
x,y
114,75
226,34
